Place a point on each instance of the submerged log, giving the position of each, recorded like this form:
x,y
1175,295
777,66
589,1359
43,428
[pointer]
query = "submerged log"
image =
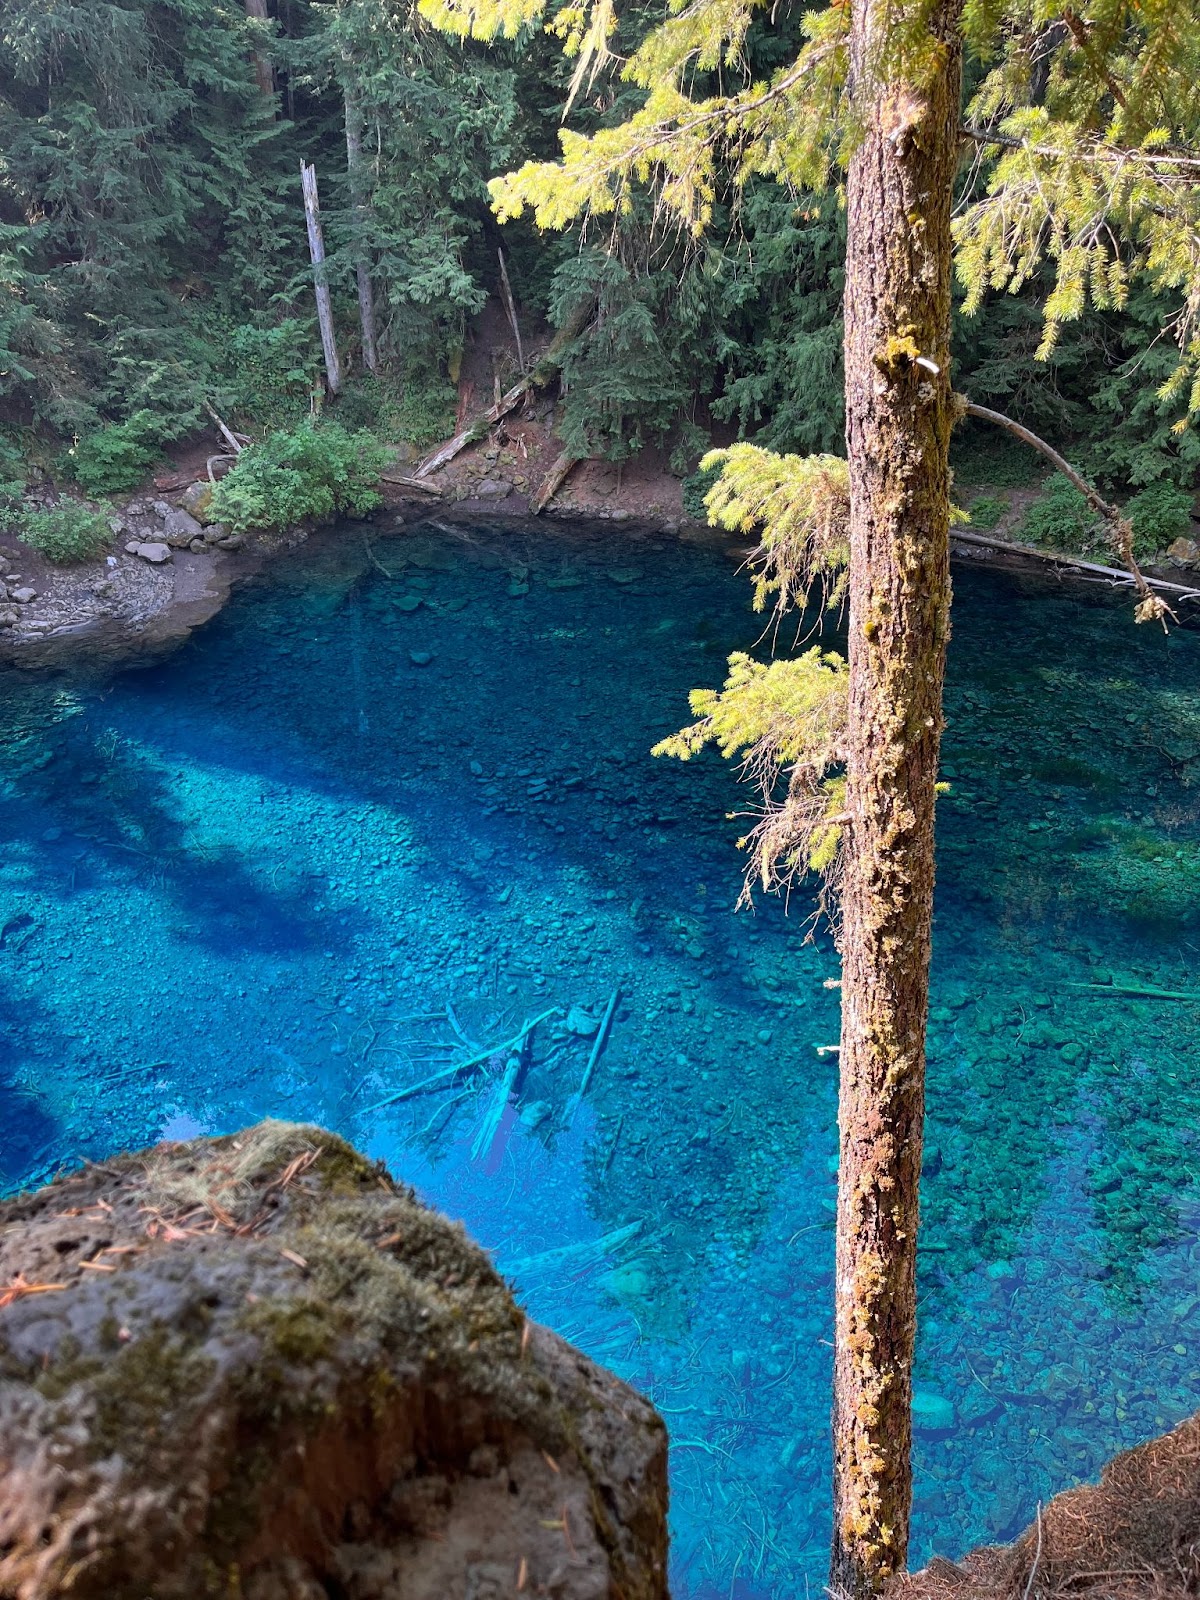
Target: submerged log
x,y
256,1363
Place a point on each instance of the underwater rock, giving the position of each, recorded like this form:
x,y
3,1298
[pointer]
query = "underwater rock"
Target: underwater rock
x,y
932,1413
581,1022
255,1364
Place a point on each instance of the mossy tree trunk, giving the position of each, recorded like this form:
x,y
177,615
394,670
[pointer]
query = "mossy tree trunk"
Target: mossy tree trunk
x,y
898,277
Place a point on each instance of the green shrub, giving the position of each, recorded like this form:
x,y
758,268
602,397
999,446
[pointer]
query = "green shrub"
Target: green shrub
x,y
418,407
66,532
1061,519
1160,514
117,457
315,470
987,511
695,487
983,456
268,374
12,501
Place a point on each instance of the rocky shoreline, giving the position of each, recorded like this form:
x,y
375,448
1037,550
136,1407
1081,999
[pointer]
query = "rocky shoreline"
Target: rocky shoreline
x,y
169,571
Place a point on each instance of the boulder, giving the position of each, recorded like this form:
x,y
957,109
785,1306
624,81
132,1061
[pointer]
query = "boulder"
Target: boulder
x,y
257,1365
1186,552
180,528
8,616
932,1413
196,499
22,596
581,1022
155,551
492,489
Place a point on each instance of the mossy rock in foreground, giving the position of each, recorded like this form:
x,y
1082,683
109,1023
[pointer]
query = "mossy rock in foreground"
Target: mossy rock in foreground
x,y
257,1367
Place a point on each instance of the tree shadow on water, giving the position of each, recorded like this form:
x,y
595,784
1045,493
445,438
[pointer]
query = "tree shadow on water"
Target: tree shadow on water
x,y
103,806
30,1135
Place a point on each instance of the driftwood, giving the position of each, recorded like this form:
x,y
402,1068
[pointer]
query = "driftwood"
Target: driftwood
x,y
554,480
1115,575
410,483
489,1128
448,1074
540,374
597,1047
316,250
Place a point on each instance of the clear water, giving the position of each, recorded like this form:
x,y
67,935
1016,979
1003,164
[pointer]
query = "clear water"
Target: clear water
x,y
281,872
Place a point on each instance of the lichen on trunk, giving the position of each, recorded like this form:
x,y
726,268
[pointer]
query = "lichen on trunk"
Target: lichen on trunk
x,y
899,417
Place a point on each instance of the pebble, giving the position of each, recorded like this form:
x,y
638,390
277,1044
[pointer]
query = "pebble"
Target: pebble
x,y
420,658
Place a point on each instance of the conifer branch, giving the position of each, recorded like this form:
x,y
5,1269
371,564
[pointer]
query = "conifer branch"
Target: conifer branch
x,y
1099,150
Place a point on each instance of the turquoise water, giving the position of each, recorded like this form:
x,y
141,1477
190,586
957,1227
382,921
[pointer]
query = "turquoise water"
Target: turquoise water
x,y
397,802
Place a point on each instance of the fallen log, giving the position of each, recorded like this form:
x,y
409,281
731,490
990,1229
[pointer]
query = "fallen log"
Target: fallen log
x,y
410,483
448,1074
1115,575
554,480
601,1038
1134,991
226,432
540,374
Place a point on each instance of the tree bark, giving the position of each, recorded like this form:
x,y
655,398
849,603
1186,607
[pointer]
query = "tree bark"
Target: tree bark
x,y
264,71
358,195
316,249
899,417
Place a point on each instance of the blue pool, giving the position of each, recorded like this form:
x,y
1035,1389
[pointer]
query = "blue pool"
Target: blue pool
x,y
397,801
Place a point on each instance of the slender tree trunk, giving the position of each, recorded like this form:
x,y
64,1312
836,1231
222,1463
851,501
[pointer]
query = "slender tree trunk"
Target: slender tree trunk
x,y
358,194
898,422
263,69
316,249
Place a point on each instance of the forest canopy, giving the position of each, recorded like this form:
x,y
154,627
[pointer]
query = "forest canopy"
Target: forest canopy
x,y
153,256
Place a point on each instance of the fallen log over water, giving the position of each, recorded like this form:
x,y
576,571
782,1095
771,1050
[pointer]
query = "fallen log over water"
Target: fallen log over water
x,y
1115,575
